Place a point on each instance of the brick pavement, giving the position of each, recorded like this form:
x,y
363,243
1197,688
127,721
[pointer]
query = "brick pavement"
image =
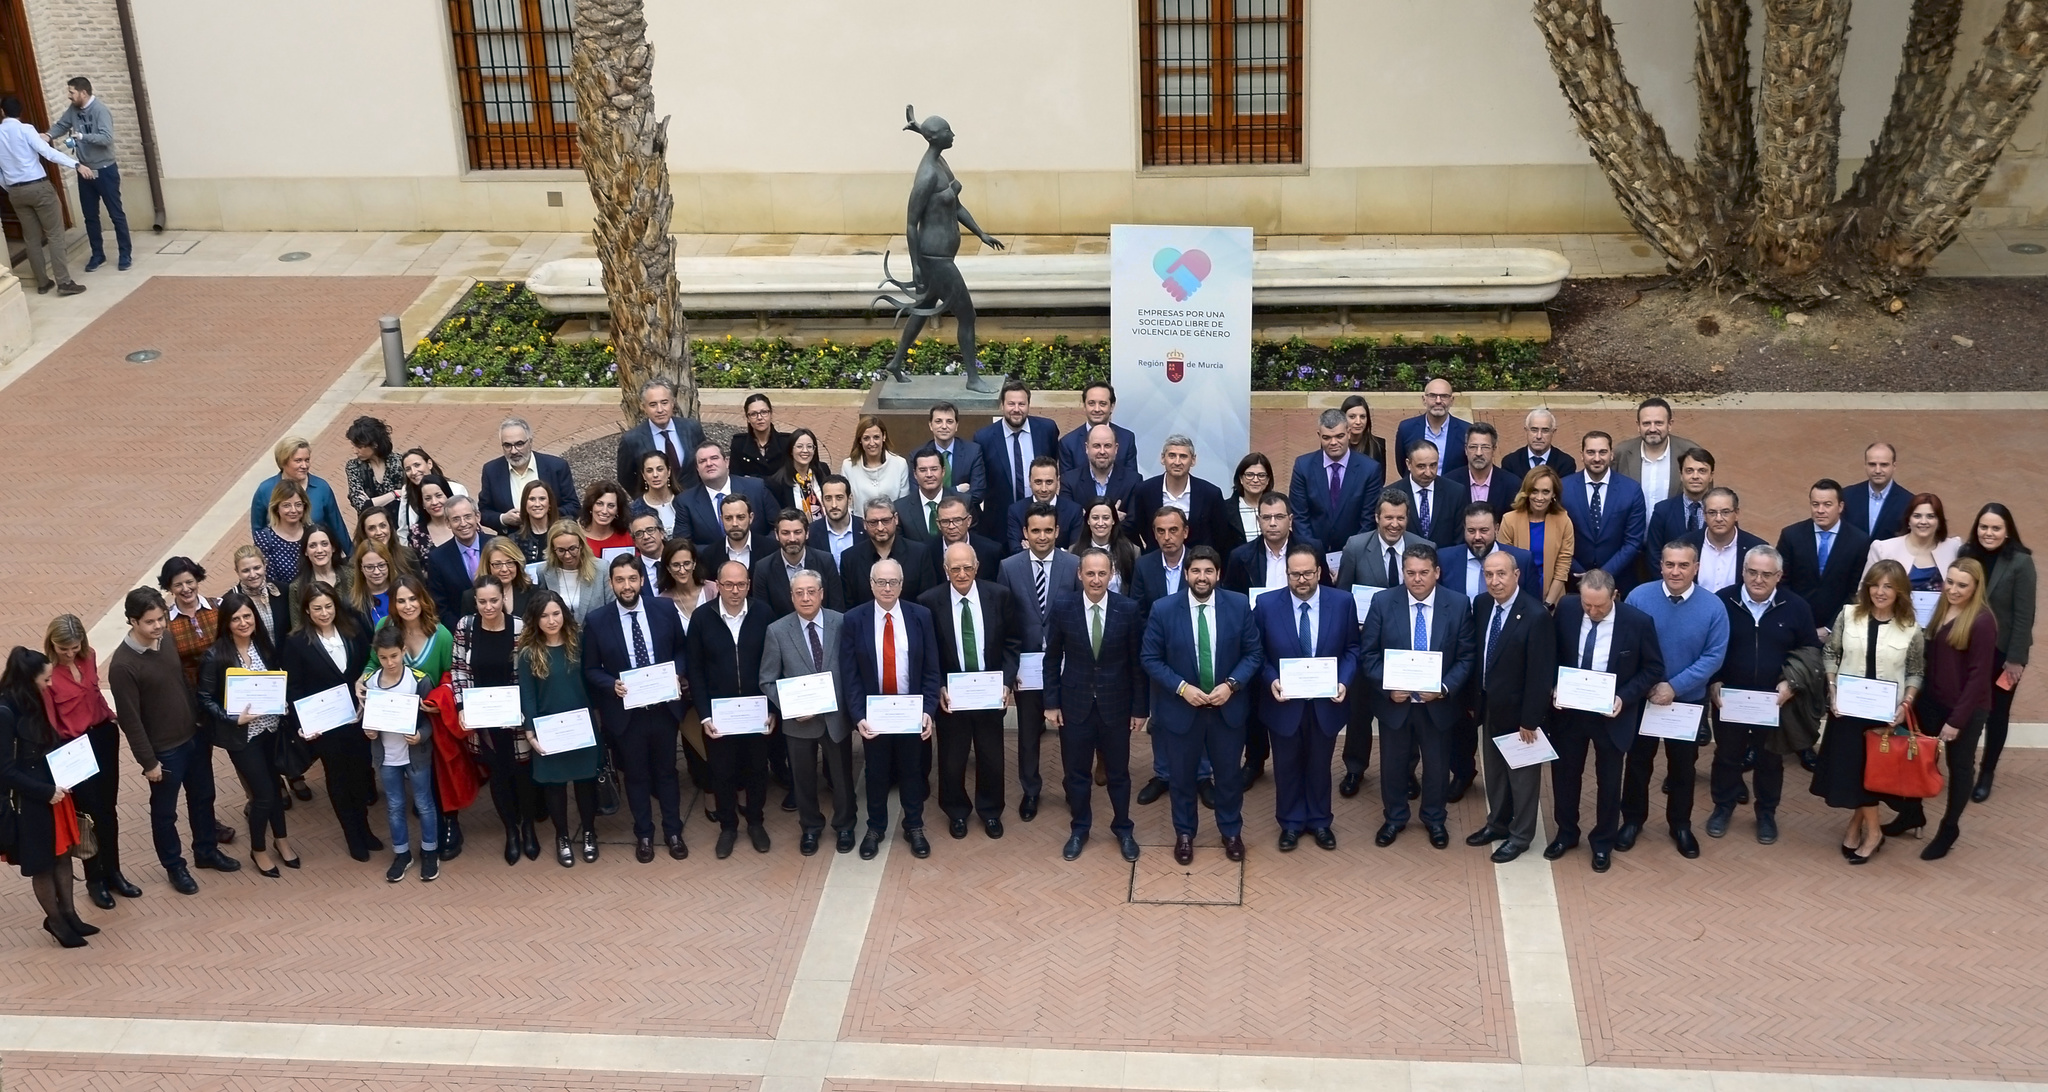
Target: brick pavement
x,y
29,1072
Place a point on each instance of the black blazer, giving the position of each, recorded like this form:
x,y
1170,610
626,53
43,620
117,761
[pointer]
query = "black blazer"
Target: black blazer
x,y
861,557
1500,491
1517,462
494,489
639,440
910,515
1066,516
1447,502
605,655
309,670
1078,485
1633,657
750,460
1110,686
1511,684
1213,518
1246,568
987,556
1826,592
998,612
228,733
718,668
771,582
716,554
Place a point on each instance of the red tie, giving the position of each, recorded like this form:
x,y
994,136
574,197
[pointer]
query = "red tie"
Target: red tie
x,y
888,653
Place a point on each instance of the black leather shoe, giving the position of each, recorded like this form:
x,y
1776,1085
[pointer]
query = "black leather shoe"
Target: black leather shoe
x,y
957,827
1205,791
1184,849
1459,786
676,848
727,838
845,843
1559,848
1128,845
789,800
119,885
1439,838
1944,840
1766,828
1153,790
1325,838
1074,843
43,288
218,861
920,847
1486,835
992,827
1809,758
1602,860
1742,795
590,846
1625,838
1982,791
757,835
1027,808
1288,840
1717,823
643,850
451,837
1349,786
97,891
1414,789
870,845
1233,847
1388,832
1688,846
565,854
1252,773
302,790
1508,851
512,846
529,842
809,846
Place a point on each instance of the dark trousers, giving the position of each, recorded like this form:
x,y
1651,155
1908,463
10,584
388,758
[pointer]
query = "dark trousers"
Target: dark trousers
x,y
1258,747
1398,745
804,756
514,795
1213,739
1679,758
1301,776
345,755
256,763
646,753
556,796
1030,733
96,798
980,731
1962,760
1358,729
776,764
1465,746
1571,735
896,761
1995,725
182,769
1080,742
92,192
1731,743
1511,794
739,763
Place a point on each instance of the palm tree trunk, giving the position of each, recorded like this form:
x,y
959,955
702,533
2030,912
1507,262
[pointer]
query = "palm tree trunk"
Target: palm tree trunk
x,y
1917,95
1724,159
1798,142
624,150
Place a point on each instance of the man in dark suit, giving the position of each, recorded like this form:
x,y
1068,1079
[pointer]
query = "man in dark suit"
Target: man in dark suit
x,y
1095,696
1262,562
1202,653
1878,507
962,470
1034,577
1104,473
1334,491
956,528
1606,511
1307,621
1419,615
647,546
1371,560
725,645
1483,480
1098,402
1463,568
887,646
700,509
806,642
840,527
743,540
1435,506
1540,426
498,499
1722,543
880,542
1045,490
1435,425
1824,555
635,631
917,512
662,431
977,631
1685,510
793,554
1596,631
1766,625
1007,448
1510,693
452,566
1160,574
1212,519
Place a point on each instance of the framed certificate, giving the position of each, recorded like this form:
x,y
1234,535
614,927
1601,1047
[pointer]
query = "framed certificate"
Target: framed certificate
x,y
492,707
1750,707
1031,671
650,685
895,714
1308,677
1591,691
394,711
1414,672
806,695
1867,699
323,712
559,732
1679,721
740,716
259,692
974,691
72,763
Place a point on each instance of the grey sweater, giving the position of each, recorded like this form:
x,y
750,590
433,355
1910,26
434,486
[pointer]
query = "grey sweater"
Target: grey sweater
x,y
95,128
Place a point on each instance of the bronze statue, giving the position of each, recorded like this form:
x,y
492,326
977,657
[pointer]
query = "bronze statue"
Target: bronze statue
x,y
933,230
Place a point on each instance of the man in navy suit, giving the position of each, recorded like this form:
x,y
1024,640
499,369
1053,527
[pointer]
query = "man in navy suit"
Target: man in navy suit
x,y
1435,425
1596,631
1212,520
700,508
1045,490
725,643
1262,562
1423,616
1104,473
1685,510
1162,571
636,631
1098,402
1202,654
1484,481
1007,448
1094,696
1310,621
662,431
1824,555
498,498
1878,507
1463,567
1035,576
887,646
1606,510
1334,491
961,468
1539,425
452,566
839,527
1435,506
1510,693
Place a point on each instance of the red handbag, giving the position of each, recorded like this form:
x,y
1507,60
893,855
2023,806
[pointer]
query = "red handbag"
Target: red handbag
x,y
1901,761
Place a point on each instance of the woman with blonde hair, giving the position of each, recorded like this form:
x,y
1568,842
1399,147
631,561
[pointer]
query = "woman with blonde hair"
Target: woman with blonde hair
x,y
1874,637
1962,644
503,564
1539,525
871,468
252,576
77,708
571,571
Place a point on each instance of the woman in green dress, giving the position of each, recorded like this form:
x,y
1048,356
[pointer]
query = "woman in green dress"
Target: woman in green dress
x,y
550,682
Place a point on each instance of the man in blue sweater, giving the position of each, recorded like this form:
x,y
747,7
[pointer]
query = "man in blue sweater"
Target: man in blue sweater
x,y
1692,632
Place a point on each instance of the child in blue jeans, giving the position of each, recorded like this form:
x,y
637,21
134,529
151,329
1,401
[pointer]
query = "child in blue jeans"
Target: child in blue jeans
x,y
405,758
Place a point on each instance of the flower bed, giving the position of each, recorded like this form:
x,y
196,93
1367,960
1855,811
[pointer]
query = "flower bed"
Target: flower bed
x,y
499,336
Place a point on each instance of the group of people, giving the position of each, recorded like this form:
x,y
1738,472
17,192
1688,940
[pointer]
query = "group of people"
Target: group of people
x,y
740,613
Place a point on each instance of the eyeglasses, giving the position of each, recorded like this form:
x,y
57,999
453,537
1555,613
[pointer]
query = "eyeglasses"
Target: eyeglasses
x,y
642,532
514,445
884,582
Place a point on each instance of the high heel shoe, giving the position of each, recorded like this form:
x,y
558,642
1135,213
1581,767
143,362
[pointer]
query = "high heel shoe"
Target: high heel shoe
x,y
1848,852
1903,827
293,863
1944,839
1982,791
1859,858
82,928
62,930
269,873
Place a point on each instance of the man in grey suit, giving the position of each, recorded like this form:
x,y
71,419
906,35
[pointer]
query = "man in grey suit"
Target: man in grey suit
x,y
1652,457
798,644
1371,560
1034,577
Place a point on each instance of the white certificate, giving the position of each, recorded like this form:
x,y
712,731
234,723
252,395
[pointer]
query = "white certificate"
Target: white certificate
x,y
323,712
258,692
607,554
1361,594
1750,707
1031,671
1591,691
895,714
806,695
1867,699
1924,603
740,716
1255,593
1415,672
1333,560
534,569
492,707
650,685
559,732
1308,677
72,763
971,691
395,711
1678,721
1521,754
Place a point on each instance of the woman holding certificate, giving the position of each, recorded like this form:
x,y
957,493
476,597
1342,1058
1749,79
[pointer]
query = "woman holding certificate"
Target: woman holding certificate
x,y
551,683
482,677
47,821
322,660
1875,659
2009,583
1962,645
77,708
247,733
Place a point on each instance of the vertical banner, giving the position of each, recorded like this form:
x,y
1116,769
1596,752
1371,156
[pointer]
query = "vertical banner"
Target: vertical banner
x,y
1180,318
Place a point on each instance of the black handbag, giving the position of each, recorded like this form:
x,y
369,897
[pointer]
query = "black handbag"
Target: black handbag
x,y
607,787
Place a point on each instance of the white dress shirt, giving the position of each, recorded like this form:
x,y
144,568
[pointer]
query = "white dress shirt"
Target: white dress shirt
x,y
973,601
1719,565
1656,479
22,151
733,622
1428,605
1195,613
627,616
1185,501
1603,640
902,648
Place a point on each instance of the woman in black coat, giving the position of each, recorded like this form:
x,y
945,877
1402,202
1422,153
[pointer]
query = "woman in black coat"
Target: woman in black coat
x,y
326,652
253,741
48,823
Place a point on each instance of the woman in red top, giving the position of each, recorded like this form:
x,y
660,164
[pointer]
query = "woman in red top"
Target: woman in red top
x,y
605,518
1962,642
77,708
48,821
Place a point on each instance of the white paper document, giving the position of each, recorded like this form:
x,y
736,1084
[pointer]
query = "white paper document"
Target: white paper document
x,y
1867,699
258,692
1361,596
606,555
1590,691
559,732
396,711
323,712
650,685
740,716
72,763
1308,677
895,714
807,695
1678,721
1031,671
1333,560
1521,754
1255,593
971,691
1924,603
1415,672
1749,706
492,707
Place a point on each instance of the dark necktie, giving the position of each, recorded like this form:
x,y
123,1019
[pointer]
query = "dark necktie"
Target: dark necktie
x,y
1039,581
1677,598
1393,567
817,647
1336,482
1692,515
1593,508
1592,637
1017,464
640,656
668,446
969,655
1301,632
1500,615
1423,495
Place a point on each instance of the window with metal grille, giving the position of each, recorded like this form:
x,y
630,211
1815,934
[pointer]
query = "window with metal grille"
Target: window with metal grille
x,y
518,107
1220,80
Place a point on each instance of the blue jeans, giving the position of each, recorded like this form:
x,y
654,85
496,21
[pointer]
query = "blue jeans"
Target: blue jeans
x,y
183,768
105,188
421,774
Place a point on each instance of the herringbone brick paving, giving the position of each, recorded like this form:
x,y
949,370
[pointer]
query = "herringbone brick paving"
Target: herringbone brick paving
x,y
28,1072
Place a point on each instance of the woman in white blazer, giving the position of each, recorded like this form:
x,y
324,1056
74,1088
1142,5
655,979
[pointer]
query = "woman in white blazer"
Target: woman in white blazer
x,y
1925,550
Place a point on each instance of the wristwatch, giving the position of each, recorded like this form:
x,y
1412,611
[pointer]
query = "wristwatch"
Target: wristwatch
x,y
1234,685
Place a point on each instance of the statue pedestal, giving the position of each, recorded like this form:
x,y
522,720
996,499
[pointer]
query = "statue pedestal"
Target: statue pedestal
x,y
905,408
